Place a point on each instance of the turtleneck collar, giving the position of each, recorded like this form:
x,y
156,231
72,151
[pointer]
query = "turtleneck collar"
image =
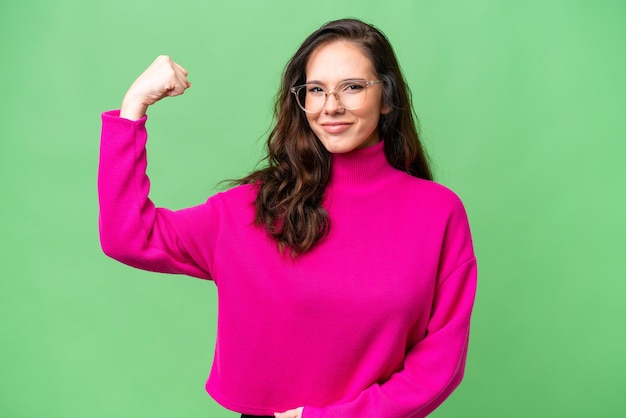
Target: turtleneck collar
x,y
359,167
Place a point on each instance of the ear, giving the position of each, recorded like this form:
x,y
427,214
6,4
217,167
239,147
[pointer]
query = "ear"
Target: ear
x,y
385,109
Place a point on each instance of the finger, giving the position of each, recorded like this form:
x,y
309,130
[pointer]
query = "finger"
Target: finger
x,y
183,81
180,86
174,73
181,69
181,77
292,413
175,91
177,85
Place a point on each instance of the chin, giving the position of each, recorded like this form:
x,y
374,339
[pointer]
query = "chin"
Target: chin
x,y
339,146
334,148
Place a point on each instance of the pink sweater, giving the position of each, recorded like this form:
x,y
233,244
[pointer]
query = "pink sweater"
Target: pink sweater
x,y
372,322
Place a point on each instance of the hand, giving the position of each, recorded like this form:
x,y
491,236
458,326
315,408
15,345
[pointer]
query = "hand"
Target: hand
x,y
292,413
161,79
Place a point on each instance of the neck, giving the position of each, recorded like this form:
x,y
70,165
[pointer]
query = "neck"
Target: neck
x,y
359,167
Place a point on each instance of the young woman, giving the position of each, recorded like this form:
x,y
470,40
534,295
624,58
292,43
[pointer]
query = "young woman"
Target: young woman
x,y
345,276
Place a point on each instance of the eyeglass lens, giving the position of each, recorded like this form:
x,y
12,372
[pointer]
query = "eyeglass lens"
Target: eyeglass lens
x,y
351,95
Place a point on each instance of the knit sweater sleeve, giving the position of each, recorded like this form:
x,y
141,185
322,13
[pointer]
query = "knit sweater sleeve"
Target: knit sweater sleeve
x,y
132,230
434,366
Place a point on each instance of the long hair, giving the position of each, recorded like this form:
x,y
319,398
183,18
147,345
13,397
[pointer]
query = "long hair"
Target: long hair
x,y
291,187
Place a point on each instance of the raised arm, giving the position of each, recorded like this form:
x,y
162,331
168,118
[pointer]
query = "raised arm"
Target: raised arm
x,y
132,229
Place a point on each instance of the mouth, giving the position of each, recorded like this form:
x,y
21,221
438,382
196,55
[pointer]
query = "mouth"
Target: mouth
x,y
335,127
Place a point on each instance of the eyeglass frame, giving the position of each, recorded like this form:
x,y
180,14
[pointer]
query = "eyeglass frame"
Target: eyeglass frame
x,y
295,90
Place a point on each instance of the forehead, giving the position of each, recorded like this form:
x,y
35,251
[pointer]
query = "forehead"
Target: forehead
x,y
339,60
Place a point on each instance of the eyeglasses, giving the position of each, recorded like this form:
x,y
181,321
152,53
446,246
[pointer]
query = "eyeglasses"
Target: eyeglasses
x,y
350,94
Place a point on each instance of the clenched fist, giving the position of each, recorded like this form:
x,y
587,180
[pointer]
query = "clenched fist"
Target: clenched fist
x,y
162,78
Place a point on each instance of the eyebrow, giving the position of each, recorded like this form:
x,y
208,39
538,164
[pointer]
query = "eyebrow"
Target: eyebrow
x,y
341,81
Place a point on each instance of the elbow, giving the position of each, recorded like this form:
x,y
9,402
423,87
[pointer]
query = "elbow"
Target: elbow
x,y
116,245
113,248
459,372
122,251
457,378
119,240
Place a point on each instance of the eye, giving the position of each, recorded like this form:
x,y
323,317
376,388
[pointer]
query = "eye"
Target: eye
x,y
315,89
353,87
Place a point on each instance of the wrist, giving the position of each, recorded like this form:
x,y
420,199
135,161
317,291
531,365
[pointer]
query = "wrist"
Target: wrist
x,y
132,109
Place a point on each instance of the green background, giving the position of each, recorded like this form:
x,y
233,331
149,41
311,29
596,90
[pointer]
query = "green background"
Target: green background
x,y
521,106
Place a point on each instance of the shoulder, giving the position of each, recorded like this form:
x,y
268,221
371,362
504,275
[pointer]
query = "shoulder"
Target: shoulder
x,y
222,210
237,198
433,194
236,201
445,216
244,193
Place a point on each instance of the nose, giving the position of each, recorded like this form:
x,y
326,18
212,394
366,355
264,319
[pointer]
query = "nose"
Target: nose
x,y
332,104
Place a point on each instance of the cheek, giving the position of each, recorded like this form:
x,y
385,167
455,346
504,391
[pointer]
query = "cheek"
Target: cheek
x,y
314,128
311,118
370,115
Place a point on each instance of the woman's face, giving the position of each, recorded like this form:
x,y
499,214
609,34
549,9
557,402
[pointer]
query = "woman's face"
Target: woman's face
x,y
338,129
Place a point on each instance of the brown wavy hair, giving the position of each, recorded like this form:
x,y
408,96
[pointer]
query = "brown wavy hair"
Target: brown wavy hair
x,y
291,186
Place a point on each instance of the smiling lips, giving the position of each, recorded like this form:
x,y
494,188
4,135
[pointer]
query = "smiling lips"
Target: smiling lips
x,y
335,127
